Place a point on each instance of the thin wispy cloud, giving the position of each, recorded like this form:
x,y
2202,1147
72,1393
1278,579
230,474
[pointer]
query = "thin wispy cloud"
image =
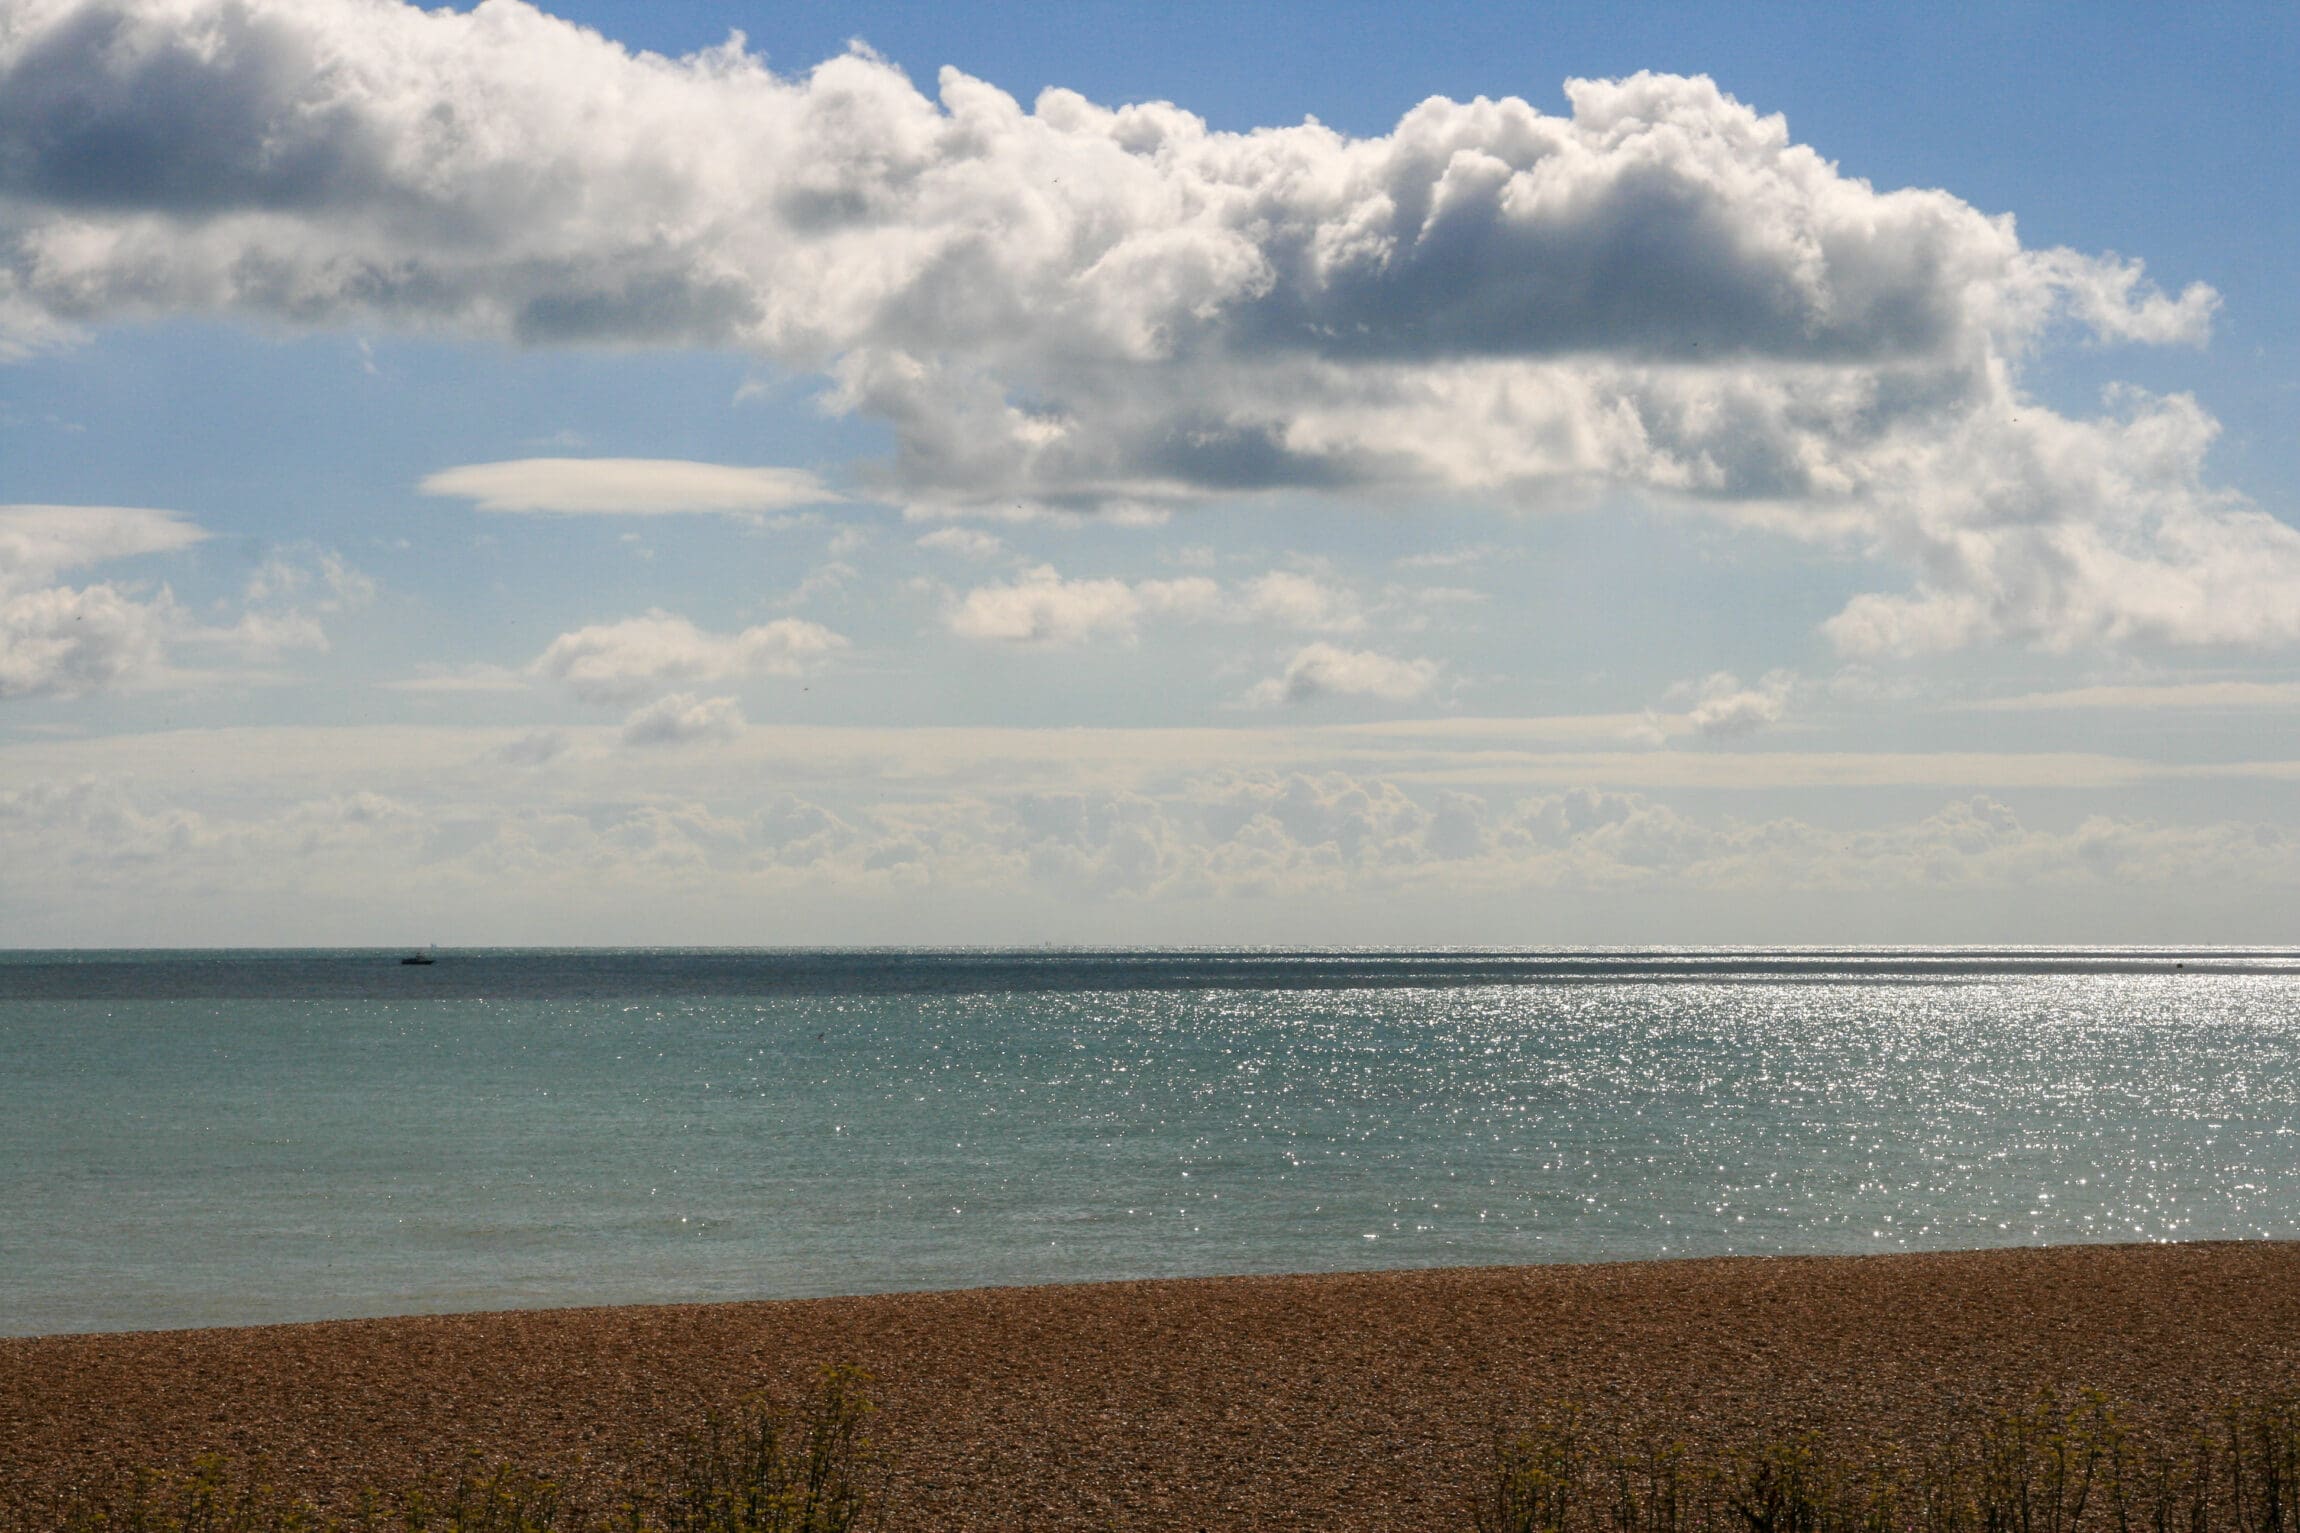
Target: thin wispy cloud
x,y
455,679
626,487
2231,695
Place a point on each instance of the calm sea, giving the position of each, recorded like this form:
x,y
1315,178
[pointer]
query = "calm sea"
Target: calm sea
x,y
233,1137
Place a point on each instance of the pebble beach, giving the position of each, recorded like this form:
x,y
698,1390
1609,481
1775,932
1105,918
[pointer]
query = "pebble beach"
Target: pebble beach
x,y
1351,1401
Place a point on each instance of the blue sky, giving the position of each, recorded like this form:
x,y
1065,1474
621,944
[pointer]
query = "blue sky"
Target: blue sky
x,y
1827,477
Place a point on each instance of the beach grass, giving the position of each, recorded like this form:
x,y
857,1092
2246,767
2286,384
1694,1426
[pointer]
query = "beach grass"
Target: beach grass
x,y
2057,1465
1755,1395
765,1467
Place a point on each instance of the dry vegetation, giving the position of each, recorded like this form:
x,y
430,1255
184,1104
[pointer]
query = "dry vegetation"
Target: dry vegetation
x,y
1809,1394
2052,1467
762,1469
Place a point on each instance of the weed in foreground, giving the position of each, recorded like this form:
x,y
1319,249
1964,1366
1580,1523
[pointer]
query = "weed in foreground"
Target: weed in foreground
x,y
760,1469
2051,1467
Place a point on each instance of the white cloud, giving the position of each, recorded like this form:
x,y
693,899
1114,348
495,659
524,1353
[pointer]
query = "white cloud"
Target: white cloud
x,y
64,641
626,486
1453,558
1723,708
1737,713
38,543
282,604
1326,670
683,719
534,748
965,542
2065,534
475,677
822,580
259,636
58,640
706,840
1073,307
68,641
320,578
1044,608
634,659
1297,600
2228,695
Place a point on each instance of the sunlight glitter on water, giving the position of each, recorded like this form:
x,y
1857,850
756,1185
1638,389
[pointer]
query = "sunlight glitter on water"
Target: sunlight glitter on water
x,y
181,1161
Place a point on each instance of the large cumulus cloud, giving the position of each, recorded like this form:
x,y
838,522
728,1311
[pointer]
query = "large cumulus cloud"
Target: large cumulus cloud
x,y
1089,308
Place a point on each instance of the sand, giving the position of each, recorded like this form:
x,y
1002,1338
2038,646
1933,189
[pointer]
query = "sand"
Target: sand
x,y
1356,1401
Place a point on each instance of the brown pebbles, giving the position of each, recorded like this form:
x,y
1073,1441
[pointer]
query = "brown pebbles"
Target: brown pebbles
x,y
1358,1401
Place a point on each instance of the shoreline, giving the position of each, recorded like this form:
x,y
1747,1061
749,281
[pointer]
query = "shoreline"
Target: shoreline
x,y
1346,1400
1655,1264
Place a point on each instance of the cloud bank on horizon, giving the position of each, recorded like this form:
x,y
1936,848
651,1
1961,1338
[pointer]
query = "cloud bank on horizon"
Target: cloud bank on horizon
x,y
1084,309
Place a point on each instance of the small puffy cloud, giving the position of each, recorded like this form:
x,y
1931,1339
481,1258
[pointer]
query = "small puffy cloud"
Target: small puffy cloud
x,y
1326,670
282,605
66,641
319,578
626,487
1736,713
1723,708
1296,600
1044,608
965,542
534,748
262,635
622,663
823,580
684,719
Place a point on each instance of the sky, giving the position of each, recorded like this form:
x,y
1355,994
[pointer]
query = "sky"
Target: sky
x,y
711,472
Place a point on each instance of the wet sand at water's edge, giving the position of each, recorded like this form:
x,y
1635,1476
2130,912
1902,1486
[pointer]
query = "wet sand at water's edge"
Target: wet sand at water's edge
x,y
1354,1401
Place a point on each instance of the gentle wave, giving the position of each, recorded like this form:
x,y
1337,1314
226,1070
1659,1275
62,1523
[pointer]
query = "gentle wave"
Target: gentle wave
x,y
234,1138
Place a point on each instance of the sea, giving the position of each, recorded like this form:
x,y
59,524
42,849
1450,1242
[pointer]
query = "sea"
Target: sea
x,y
227,1138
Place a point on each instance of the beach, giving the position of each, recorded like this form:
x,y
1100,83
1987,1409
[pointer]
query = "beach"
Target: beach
x,y
1347,1401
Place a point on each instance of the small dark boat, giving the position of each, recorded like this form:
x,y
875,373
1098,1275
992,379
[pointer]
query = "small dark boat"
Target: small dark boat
x,y
419,958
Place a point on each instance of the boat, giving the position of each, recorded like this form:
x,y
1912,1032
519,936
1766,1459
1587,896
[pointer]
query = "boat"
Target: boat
x,y
419,957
